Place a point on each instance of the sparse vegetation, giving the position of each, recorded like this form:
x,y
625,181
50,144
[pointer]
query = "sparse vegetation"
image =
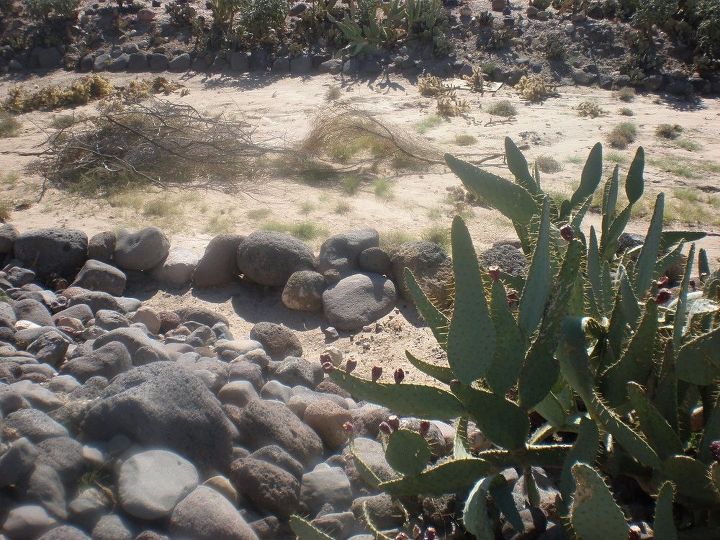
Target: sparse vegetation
x,y
79,92
383,188
258,213
304,230
622,135
439,234
626,94
689,145
333,93
5,210
161,207
625,111
9,125
590,109
464,139
668,131
548,164
342,208
307,207
535,88
616,157
389,240
502,108
64,121
351,183
554,47
427,123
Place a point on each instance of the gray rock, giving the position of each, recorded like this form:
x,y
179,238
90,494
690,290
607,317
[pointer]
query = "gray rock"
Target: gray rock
x,y
279,457
375,260
48,57
95,300
269,258
205,514
88,507
165,405
111,527
333,66
327,419
142,250
372,454
151,483
384,512
29,521
270,422
102,62
49,348
238,393
297,371
303,291
33,311
82,312
341,251
246,371
45,486
64,532
326,485
142,349
110,320
101,246
509,258
276,390
240,61
301,65
35,425
38,396
8,234
19,276
63,384
177,270
63,454
120,63
17,461
277,340
202,315
149,318
429,264
358,300
269,487
99,276
180,63
158,62
52,251
218,265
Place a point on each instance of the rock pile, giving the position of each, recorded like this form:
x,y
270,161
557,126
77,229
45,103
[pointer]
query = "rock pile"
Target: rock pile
x,y
120,422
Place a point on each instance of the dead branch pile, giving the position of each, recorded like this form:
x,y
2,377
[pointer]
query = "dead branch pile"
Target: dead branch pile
x,y
159,142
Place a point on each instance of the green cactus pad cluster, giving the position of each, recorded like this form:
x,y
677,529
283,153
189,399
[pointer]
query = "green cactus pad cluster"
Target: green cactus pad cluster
x,y
625,374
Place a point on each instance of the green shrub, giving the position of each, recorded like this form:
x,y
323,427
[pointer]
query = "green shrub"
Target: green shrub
x,y
181,15
44,10
262,17
651,13
708,28
567,368
554,47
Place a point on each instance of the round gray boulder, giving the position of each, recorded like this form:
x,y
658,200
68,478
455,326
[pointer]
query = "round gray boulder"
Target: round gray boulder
x,y
509,258
431,267
303,291
269,258
101,246
218,265
358,300
341,251
177,270
99,276
151,483
269,487
52,251
277,340
141,250
8,234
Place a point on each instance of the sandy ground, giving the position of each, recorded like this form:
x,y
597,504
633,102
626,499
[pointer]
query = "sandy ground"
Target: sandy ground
x,y
285,108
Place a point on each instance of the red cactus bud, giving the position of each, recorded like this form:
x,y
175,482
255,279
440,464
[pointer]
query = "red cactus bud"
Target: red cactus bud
x,y
350,365
715,450
663,296
399,375
566,231
634,533
328,367
376,373
431,533
394,422
385,428
417,532
402,536
424,427
348,427
325,357
494,272
663,282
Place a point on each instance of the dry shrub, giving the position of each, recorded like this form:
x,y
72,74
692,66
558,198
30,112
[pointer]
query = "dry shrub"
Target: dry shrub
x,y
357,140
502,108
535,88
431,86
160,143
548,164
669,131
590,109
476,81
449,104
622,135
79,92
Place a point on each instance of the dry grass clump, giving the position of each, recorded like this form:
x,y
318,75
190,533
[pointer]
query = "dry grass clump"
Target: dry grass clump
x,y
625,111
622,135
345,142
303,230
535,88
668,131
333,93
9,125
79,92
438,234
590,109
626,94
548,164
502,108
161,143
464,139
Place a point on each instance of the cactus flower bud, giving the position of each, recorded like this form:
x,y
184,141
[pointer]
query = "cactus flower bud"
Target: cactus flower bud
x,y
566,231
417,532
376,373
402,536
328,367
325,357
693,285
634,533
715,450
424,427
494,272
348,428
399,375
663,282
663,296
431,533
394,422
350,365
385,428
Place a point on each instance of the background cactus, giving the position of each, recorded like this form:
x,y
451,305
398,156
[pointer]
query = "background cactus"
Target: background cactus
x,y
595,347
